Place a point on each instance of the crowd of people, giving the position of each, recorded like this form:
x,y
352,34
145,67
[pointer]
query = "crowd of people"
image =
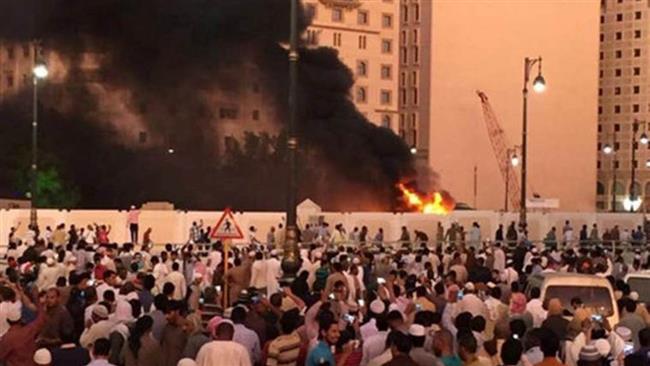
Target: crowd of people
x,y
72,297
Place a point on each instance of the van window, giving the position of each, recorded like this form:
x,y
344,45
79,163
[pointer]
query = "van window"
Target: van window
x,y
641,286
597,299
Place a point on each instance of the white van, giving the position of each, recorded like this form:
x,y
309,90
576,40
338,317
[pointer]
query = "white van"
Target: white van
x,y
640,282
595,292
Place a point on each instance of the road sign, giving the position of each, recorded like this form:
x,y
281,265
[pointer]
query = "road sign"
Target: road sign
x,y
227,227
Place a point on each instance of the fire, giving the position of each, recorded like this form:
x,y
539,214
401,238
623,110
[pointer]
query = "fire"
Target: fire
x,y
429,204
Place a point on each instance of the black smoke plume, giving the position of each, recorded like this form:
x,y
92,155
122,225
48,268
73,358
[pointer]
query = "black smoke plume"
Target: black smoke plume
x,y
169,56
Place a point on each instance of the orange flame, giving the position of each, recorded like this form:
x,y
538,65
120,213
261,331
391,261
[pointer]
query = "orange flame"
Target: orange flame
x,y
428,204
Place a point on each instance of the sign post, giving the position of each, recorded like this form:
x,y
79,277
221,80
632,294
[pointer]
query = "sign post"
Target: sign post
x,y
226,230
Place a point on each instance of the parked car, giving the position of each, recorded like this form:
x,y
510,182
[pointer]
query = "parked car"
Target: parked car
x,y
595,292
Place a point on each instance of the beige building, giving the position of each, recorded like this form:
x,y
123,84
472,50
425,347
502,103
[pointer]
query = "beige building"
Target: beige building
x,y
16,63
385,43
624,96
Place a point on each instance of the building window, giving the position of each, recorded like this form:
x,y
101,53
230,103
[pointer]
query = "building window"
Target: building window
x,y
10,52
637,33
414,78
636,89
598,165
310,11
256,115
619,36
414,96
337,39
403,37
362,94
617,146
362,68
228,113
10,81
405,13
637,71
416,54
362,42
635,108
602,37
405,55
616,166
385,97
637,52
600,73
600,129
617,72
386,121
600,110
619,53
601,55
402,96
386,72
414,36
142,137
617,109
602,19
337,15
362,17
402,126
416,12
637,15
619,17
600,91
386,46
387,20
26,51
617,128
617,90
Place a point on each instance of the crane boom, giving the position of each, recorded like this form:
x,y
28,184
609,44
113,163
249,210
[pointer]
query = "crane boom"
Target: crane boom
x,y
500,146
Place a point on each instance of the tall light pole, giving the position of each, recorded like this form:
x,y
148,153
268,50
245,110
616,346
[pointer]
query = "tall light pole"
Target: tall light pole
x,y
539,85
514,161
290,262
39,72
634,200
611,150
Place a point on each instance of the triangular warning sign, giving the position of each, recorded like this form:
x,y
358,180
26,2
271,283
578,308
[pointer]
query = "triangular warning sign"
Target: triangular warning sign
x,y
227,227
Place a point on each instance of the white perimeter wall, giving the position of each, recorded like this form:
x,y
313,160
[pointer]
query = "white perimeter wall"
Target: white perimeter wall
x,y
173,226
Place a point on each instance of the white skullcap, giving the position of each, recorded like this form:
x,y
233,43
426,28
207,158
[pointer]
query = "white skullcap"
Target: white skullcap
x,y
198,275
417,330
186,362
274,252
251,254
377,306
603,347
634,295
49,261
42,357
318,255
625,333
491,285
469,286
356,260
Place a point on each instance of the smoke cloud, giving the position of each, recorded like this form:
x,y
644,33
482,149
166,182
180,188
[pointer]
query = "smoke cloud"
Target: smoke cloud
x,y
161,66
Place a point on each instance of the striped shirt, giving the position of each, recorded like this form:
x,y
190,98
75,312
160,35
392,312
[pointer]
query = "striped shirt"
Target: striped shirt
x,y
284,350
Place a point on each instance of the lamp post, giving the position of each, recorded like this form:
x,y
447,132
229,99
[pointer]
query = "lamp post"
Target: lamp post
x,y
633,199
611,150
539,85
39,72
290,262
514,161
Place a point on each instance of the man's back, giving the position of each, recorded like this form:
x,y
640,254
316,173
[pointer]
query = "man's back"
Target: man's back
x,y
223,353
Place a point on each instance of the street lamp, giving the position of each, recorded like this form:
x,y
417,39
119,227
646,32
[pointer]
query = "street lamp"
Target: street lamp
x,y
39,72
514,160
643,139
607,149
414,150
539,85
291,261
